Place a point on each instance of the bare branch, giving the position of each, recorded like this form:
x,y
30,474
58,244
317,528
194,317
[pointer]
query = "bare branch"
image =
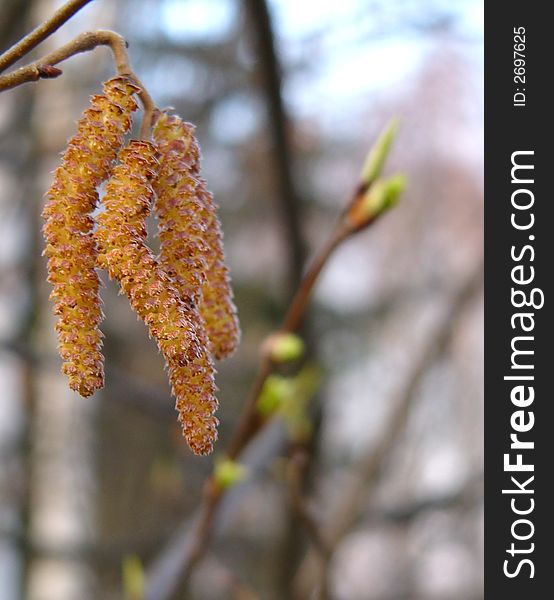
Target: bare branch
x,y
82,43
44,68
40,33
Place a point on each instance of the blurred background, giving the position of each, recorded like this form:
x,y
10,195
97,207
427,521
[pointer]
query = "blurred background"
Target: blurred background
x,y
97,495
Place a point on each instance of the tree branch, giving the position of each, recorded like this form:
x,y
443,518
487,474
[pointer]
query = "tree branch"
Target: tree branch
x,y
270,74
44,68
40,33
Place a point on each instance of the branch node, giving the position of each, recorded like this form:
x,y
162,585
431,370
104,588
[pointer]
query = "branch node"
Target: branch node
x,y
48,71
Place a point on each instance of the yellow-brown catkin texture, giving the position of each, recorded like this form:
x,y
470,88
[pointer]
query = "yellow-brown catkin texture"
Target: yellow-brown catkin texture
x,y
191,246
120,235
70,247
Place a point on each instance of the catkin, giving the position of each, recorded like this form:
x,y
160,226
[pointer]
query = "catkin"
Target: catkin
x,y
190,233
121,234
217,306
70,247
182,220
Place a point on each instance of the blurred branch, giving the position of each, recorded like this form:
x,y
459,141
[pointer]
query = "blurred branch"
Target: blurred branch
x,y
270,72
40,33
467,495
312,571
298,463
14,16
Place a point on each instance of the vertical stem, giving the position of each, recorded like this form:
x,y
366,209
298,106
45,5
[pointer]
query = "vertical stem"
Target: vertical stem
x,y
287,195
270,72
296,310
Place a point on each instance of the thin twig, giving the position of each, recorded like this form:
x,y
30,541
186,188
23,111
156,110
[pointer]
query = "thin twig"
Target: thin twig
x,y
82,43
150,109
45,67
40,33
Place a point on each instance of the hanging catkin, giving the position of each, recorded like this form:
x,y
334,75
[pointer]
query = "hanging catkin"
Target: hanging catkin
x,y
190,233
68,227
172,321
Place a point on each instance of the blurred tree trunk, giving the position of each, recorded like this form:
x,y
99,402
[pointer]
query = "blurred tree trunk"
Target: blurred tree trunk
x,y
290,213
60,465
20,161
279,127
15,18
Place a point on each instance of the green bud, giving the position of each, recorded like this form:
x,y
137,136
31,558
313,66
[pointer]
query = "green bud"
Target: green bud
x,y
285,347
133,577
383,195
378,154
276,391
228,473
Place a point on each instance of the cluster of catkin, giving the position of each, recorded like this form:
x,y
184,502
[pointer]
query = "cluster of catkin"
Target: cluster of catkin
x,y
183,295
